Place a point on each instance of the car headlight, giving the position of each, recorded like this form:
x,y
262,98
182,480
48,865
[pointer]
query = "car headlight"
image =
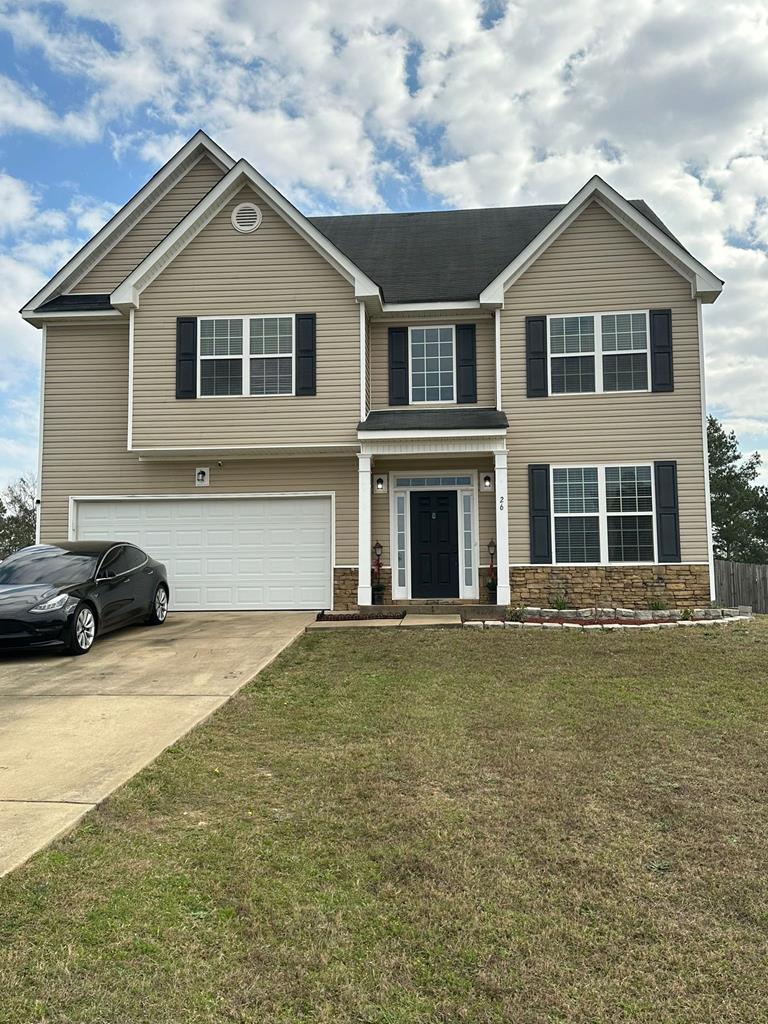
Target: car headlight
x,y
52,604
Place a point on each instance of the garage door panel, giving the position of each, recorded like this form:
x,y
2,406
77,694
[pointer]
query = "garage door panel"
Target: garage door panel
x,y
249,553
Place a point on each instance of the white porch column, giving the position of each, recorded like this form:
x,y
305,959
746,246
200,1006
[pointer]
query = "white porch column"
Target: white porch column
x,y
502,528
364,595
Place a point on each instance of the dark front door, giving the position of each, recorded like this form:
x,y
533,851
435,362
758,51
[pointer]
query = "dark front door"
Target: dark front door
x,y
434,544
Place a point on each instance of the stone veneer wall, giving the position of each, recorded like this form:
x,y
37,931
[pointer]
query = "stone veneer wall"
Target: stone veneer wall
x,y
636,586
545,586
345,588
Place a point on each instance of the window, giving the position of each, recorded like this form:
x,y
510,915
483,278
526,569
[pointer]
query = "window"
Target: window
x,y
598,352
603,514
229,368
625,352
432,364
400,534
272,355
221,357
577,533
628,491
135,556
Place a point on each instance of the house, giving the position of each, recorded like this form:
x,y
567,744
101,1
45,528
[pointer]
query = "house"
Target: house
x,y
259,397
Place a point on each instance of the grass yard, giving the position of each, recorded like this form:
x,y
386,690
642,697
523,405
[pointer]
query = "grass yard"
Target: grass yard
x,y
439,826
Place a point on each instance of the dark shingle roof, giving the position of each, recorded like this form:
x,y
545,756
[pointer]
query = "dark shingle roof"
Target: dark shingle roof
x,y
443,256
75,304
462,418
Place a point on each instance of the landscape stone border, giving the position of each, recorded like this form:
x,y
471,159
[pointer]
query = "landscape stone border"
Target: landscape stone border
x,y
593,619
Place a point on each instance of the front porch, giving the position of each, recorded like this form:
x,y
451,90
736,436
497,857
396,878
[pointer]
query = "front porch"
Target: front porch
x,y
432,506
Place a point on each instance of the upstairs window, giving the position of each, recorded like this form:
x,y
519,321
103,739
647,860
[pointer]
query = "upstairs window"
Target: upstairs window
x,y
221,357
598,352
232,367
272,355
433,364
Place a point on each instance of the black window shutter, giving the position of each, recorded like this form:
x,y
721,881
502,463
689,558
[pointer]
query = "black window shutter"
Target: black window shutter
x,y
466,363
186,357
539,514
667,513
536,356
398,366
306,354
662,376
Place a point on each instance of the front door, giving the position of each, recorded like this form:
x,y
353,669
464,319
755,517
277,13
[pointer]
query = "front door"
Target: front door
x,y
434,544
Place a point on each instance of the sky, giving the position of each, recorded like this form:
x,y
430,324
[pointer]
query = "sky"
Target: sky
x,y
372,105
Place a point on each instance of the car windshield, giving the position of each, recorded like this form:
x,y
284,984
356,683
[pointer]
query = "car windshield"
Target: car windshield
x,y
47,565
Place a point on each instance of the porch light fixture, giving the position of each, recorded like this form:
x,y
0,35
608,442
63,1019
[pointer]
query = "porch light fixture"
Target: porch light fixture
x,y
492,549
378,550
380,484
487,482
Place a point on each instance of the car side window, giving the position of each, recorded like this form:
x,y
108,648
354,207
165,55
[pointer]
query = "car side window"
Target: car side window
x,y
110,563
134,556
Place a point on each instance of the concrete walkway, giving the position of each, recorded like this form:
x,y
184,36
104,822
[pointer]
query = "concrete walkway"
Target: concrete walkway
x,y
74,729
409,621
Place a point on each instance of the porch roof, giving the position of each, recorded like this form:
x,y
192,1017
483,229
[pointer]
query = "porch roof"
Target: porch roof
x,y
414,420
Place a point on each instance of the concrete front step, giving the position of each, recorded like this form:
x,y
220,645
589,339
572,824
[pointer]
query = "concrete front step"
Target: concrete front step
x,y
467,610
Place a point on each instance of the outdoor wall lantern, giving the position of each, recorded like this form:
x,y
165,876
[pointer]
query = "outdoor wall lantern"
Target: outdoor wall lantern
x,y
380,484
492,549
378,550
487,482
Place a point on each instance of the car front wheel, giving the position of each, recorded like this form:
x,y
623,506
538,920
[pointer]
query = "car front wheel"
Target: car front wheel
x,y
159,609
82,631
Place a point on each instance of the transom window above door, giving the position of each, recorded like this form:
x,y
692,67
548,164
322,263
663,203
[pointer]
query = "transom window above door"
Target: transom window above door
x,y
599,352
230,367
433,364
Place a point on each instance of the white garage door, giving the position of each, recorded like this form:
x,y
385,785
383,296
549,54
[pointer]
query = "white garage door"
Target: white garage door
x,y
225,553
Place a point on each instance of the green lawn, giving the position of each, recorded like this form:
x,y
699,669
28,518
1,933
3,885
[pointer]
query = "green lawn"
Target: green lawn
x,y
438,826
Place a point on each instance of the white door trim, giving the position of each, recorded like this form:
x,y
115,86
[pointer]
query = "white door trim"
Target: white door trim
x,y
465,593
75,498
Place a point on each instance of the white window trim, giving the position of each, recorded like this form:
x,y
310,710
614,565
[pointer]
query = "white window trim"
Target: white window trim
x,y
404,593
246,354
598,353
602,512
429,327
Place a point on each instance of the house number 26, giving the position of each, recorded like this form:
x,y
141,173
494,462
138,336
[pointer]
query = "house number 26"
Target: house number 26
x,y
501,503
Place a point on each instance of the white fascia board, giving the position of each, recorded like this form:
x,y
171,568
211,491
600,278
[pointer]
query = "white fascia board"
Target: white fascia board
x,y
239,452
418,435
125,217
127,294
419,307
703,282
39,319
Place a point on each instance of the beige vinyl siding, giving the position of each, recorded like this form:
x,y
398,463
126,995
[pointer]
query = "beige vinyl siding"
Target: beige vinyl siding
x,y
222,272
486,356
85,451
412,465
151,229
597,265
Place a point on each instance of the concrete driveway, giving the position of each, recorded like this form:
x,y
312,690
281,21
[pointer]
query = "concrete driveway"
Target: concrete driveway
x,y
74,729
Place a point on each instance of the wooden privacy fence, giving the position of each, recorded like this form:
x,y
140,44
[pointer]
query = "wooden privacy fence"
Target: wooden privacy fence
x,y
740,583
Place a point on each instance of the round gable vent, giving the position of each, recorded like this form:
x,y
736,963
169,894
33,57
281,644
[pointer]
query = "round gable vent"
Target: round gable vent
x,y
246,217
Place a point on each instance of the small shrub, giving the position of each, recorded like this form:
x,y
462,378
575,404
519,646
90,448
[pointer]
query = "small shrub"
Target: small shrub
x,y
687,613
559,600
657,605
515,614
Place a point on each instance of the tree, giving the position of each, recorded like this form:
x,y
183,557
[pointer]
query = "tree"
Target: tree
x,y
18,510
739,505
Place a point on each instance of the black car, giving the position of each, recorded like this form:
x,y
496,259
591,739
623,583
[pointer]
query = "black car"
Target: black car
x,y
67,594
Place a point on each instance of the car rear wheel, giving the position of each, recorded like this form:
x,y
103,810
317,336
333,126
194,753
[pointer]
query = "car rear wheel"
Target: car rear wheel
x,y
82,630
159,610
